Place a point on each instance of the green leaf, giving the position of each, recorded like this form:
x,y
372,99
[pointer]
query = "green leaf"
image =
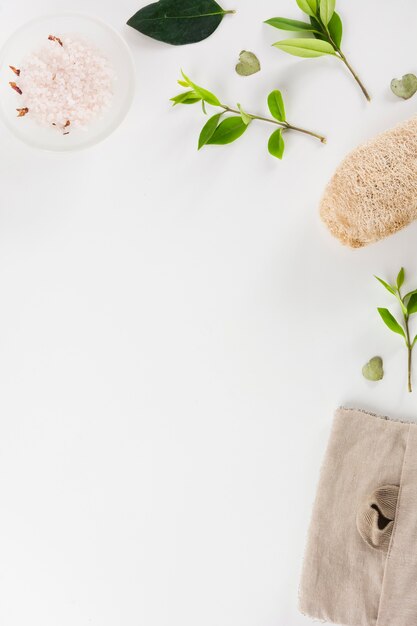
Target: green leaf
x,y
291,25
374,369
387,286
391,322
248,64
327,8
208,130
412,304
228,131
308,6
276,105
245,117
335,28
188,97
276,144
307,48
183,83
204,94
404,87
414,341
178,22
409,294
400,278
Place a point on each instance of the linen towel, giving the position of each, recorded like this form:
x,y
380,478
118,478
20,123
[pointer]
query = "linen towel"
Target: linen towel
x,y
360,567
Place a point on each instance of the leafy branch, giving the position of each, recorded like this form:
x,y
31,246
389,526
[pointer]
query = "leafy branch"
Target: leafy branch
x,y
326,29
221,130
408,304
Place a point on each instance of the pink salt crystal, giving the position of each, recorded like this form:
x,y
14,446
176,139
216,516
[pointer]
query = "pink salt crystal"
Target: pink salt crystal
x,y
72,82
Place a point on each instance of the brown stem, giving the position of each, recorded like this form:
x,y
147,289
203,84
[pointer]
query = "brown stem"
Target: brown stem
x,y
355,76
342,57
283,125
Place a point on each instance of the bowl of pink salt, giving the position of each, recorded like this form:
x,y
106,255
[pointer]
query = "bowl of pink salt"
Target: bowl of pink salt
x,y
67,82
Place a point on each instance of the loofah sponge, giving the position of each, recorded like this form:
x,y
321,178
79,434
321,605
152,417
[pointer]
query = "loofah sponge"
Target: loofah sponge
x,y
373,192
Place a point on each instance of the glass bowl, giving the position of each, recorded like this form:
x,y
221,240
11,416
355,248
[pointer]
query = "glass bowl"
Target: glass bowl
x,y
27,39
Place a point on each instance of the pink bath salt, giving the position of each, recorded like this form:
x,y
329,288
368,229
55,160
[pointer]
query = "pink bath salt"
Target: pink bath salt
x,y
65,83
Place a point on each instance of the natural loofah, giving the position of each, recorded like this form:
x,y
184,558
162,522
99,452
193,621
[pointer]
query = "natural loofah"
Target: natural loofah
x,y
373,192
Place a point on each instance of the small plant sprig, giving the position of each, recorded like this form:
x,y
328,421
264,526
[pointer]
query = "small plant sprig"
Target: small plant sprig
x,y
326,29
408,304
223,131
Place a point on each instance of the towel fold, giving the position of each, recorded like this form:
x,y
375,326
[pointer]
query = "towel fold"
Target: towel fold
x,y
360,567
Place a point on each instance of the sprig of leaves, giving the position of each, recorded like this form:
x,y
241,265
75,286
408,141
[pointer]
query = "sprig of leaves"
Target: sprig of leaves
x,y
324,32
230,123
408,305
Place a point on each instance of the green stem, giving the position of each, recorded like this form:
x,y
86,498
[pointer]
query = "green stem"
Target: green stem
x,y
283,125
342,57
354,74
409,346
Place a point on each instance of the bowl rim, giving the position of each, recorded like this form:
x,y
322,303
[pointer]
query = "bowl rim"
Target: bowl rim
x,y
129,96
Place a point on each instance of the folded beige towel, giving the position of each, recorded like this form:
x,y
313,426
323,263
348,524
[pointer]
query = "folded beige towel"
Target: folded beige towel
x,y
360,567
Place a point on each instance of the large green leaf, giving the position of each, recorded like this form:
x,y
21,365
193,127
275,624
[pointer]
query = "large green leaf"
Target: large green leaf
x,y
308,6
412,304
178,22
208,130
307,48
327,8
276,105
334,27
228,131
391,322
276,144
292,25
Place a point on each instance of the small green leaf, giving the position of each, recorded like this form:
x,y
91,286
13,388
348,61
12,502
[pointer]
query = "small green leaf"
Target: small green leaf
x,y
291,25
276,144
391,322
404,87
248,64
335,28
276,105
228,131
208,130
373,370
204,94
412,304
327,8
245,117
387,286
308,6
183,83
414,341
400,278
306,48
409,294
188,97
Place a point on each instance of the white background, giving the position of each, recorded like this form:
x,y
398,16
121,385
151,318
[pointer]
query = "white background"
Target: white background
x,y
176,329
